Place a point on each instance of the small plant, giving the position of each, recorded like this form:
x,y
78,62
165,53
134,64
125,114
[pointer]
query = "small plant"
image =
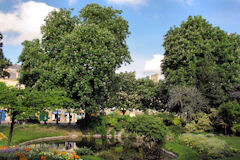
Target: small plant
x,y
177,122
84,151
236,129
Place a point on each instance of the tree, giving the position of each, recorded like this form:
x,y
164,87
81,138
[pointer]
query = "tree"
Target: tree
x,y
186,100
4,62
229,113
23,103
146,92
123,92
82,53
161,96
31,57
196,41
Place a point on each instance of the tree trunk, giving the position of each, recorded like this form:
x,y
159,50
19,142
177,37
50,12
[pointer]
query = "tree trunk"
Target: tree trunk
x,y
11,129
225,127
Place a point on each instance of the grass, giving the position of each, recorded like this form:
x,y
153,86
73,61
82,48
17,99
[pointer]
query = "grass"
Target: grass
x,y
88,157
183,152
22,133
233,142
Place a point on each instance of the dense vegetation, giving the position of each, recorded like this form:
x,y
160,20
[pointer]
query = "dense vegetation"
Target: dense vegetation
x,y
200,94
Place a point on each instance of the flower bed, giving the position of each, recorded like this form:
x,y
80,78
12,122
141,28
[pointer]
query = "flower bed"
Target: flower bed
x,y
41,154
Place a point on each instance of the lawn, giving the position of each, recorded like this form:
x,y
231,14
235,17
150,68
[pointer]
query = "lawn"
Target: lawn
x,y
183,152
233,142
28,132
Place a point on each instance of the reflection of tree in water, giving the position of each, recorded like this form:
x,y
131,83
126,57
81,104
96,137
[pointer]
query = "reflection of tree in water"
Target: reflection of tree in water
x,y
96,144
144,151
131,150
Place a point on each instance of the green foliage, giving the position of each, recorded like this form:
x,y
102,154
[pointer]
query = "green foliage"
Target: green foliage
x,y
207,145
177,122
236,129
151,127
166,118
186,100
191,127
83,53
84,151
230,113
198,54
146,91
201,123
4,62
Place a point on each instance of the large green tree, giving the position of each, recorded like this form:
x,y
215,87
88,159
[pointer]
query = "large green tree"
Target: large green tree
x,y
78,54
4,62
196,43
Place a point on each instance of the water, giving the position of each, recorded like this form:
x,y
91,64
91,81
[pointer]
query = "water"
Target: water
x,y
110,149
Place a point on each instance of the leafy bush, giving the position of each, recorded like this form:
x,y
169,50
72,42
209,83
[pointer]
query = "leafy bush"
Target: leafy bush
x,y
151,127
207,145
191,127
201,123
236,129
83,151
177,122
166,118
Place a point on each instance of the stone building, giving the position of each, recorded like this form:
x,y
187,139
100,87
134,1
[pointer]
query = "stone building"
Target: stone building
x,y
155,78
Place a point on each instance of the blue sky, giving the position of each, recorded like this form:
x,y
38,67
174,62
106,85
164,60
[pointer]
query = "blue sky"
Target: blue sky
x,y
149,21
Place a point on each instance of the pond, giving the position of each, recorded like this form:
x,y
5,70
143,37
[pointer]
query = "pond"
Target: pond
x,y
109,149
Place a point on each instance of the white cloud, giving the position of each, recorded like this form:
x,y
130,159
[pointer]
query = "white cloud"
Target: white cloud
x,y
153,65
71,2
24,22
131,2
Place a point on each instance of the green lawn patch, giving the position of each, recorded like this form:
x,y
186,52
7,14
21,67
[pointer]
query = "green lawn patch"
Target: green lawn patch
x,y
233,142
183,152
88,157
22,133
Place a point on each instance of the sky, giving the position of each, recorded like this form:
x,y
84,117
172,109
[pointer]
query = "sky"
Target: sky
x,y
149,21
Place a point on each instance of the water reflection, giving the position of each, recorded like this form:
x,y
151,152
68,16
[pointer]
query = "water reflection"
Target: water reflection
x,y
127,149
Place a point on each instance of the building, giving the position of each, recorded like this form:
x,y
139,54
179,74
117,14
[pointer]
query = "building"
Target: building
x,y
49,116
155,78
14,75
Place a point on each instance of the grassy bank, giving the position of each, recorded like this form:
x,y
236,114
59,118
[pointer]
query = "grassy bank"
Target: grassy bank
x,y
28,132
183,152
233,142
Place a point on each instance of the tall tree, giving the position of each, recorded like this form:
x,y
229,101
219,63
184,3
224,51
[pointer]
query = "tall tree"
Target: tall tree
x,y
4,62
82,53
187,46
186,101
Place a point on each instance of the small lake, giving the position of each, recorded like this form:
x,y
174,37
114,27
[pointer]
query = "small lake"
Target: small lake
x,y
109,149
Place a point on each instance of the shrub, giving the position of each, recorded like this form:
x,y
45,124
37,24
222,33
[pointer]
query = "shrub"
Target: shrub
x,y
166,118
177,122
151,127
201,123
207,145
84,151
191,127
236,129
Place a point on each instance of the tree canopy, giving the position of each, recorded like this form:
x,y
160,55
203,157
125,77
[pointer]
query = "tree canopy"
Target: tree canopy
x,y
77,54
192,43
